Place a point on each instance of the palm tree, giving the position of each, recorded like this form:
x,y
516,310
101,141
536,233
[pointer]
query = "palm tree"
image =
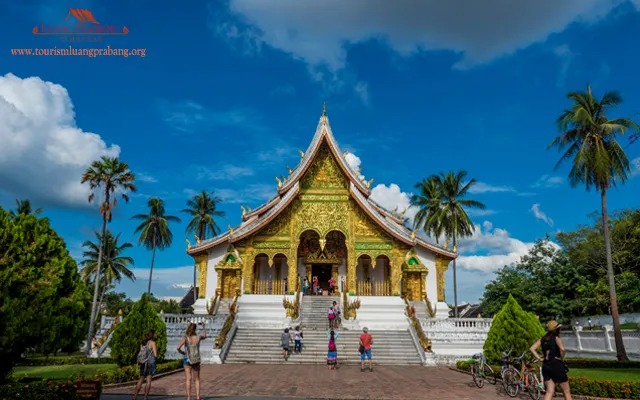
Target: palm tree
x,y
599,161
24,207
202,209
110,176
452,217
428,203
114,265
154,230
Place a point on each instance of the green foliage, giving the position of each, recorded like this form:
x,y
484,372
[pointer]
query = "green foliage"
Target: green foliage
x,y
126,339
202,209
45,303
114,302
74,360
512,329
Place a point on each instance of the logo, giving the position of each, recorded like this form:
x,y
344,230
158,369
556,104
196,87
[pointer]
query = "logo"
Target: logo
x,y
80,23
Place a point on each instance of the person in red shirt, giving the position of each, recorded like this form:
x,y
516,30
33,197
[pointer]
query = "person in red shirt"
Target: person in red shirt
x,y
365,349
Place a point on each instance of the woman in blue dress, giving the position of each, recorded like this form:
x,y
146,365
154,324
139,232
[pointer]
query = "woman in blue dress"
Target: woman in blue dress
x,y
332,353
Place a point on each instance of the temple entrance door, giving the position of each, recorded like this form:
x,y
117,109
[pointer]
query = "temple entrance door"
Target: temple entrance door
x,y
228,284
323,272
412,285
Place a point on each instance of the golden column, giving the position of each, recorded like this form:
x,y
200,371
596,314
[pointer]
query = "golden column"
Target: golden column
x,y
396,272
292,262
201,265
442,265
248,261
351,267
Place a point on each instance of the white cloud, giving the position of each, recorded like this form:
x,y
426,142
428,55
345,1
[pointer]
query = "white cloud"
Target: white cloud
x,y
548,181
353,161
182,285
319,33
392,198
494,249
474,212
43,153
142,177
164,282
362,91
566,56
187,116
248,195
481,187
225,172
539,214
635,163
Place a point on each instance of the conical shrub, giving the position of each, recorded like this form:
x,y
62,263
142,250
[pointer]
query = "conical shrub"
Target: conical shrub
x,y
512,329
129,334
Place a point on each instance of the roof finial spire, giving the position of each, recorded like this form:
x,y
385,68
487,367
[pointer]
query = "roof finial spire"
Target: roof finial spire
x,y
324,109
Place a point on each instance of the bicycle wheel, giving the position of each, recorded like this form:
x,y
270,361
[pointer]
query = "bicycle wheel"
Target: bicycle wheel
x,y
533,385
476,373
489,374
511,383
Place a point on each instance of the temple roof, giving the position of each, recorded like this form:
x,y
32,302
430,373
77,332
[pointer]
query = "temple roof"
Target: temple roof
x,y
255,220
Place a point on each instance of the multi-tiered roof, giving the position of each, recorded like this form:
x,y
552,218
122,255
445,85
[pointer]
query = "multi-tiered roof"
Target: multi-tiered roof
x,y
359,190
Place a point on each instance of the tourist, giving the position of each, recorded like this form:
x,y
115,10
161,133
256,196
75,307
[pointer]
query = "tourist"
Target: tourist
x,y
343,288
147,362
554,370
332,353
331,316
332,285
336,310
297,340
286,340
191,360
365,349
316,286
305,286
286,286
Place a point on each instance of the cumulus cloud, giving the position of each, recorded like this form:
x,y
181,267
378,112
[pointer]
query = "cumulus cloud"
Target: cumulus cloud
x,y
320,33
539,214
481,187
163,284
635,163
225,172
493,247
548,181
43,153
142,177
392,198
248,195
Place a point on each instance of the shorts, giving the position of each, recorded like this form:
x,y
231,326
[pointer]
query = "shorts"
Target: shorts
x,y
554,370
285,348
148,369
366,353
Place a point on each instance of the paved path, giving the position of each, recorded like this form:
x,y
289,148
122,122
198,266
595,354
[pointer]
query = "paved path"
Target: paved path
x,y
250,381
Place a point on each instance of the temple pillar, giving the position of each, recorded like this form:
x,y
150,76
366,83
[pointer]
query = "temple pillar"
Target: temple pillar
x,y
292,265
396,272
249,267
351,267
201,265
441,267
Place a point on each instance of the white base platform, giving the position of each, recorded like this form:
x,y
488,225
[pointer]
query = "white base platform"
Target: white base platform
x,y
382,312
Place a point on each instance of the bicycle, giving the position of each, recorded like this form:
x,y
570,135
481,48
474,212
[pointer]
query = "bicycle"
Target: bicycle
x,y
515,380
507,362
481,371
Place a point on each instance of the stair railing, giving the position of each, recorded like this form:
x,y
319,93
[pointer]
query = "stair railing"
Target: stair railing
x,y
425,342
211,306
228,323
432,312
104,340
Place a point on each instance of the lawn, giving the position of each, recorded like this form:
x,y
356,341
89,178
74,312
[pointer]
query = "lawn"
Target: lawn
x,y
607,374
61,371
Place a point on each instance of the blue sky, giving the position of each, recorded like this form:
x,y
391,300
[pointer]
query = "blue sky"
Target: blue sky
x,y
227,91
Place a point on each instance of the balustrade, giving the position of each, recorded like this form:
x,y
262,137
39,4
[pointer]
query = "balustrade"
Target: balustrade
x,y
457,324
269,287
382,288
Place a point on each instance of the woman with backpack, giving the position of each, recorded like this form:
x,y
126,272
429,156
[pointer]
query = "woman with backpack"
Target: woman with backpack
x,y
332,353
146,358
191,360
554,370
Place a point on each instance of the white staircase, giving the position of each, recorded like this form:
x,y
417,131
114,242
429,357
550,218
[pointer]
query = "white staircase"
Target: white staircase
x,y
262,346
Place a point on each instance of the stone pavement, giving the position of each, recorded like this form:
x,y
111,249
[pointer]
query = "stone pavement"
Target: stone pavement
x,y
251,381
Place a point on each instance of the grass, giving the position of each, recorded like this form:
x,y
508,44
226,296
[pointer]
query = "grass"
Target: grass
x,y
607,374
61,371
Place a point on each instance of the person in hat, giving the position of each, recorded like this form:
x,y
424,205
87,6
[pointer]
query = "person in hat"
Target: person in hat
x,y
554,371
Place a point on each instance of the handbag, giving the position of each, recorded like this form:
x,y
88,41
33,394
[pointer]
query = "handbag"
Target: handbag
x,y
361,349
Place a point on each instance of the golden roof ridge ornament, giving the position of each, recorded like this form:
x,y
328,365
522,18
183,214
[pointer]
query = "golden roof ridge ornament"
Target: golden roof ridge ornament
x,y
324,120
290,170
369,182
244,211
189,246
230,230
197,239
301,153
279,182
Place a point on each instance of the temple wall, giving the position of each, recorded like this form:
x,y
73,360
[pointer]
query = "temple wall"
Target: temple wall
x,y
428,259
268,271
215,255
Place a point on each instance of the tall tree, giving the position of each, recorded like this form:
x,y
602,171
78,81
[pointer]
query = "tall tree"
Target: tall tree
x,y
452,215
429,204
597,160
24,207
115,266
154,230
108,177
202,209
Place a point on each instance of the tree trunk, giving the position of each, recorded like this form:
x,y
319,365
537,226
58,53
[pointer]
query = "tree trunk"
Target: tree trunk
x,y
153,257
455,283
96,288
617,333
102,292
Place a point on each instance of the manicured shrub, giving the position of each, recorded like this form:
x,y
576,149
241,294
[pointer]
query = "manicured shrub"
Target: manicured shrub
x,y
129,334
37,361
512,329
595,363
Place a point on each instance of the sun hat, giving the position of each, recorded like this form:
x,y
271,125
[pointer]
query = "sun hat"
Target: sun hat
x,y
553,325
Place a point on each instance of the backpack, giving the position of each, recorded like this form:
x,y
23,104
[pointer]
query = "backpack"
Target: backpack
x,y
332,345
331,314
143,354
193,351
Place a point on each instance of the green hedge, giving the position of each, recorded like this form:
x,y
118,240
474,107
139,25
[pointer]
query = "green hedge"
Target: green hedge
x,y
590,387
36,362
66,389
